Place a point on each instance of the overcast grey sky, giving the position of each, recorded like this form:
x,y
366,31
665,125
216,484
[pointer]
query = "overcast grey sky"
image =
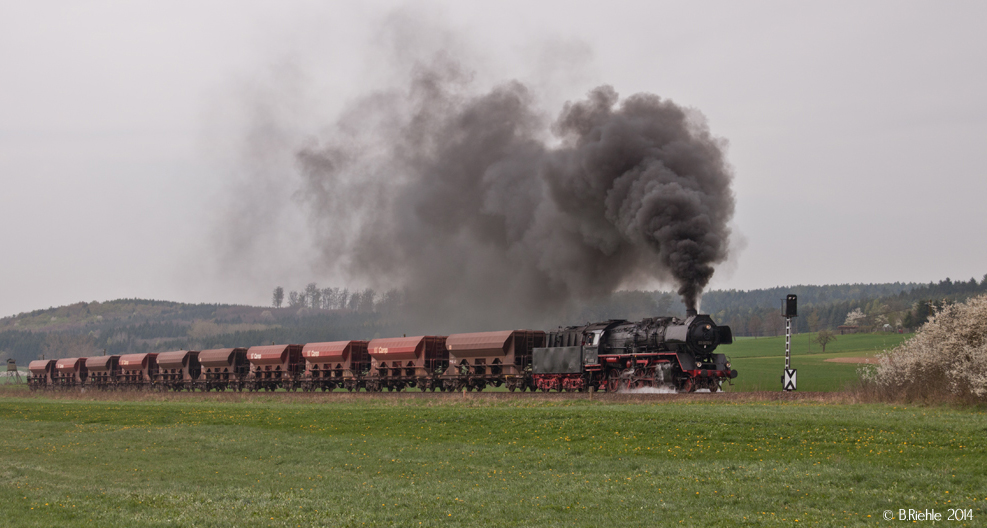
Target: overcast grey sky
x,y
856,130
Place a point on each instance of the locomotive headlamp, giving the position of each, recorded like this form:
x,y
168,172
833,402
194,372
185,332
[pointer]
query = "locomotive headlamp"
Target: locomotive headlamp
x,y
728,364
699,364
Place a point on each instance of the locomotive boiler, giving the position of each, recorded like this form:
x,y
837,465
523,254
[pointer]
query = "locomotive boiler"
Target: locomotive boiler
x,y
664,353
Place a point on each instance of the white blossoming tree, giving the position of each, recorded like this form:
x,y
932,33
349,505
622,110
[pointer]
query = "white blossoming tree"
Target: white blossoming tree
x,y
855,318
947,357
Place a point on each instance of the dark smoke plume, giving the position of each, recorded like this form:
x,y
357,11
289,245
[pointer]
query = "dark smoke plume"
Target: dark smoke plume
x,y
488,213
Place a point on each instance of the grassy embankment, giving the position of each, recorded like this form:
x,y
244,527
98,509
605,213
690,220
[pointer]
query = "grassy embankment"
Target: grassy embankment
x,y
522,462
760,362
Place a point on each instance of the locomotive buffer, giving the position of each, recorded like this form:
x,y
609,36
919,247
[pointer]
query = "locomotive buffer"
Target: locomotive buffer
x,y
789,310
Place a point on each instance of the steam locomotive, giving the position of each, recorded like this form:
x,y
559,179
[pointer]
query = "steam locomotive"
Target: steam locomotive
x,y
665,353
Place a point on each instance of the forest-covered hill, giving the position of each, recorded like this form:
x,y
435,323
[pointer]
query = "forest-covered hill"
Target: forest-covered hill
x,y
135,325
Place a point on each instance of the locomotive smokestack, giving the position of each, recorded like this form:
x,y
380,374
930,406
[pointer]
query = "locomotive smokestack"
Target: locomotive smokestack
x,y
691,312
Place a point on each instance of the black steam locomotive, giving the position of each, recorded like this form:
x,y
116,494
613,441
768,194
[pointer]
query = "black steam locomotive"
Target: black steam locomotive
x,y
663,353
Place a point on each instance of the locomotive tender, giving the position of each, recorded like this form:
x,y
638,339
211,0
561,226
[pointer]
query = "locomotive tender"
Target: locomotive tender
x,y
665,353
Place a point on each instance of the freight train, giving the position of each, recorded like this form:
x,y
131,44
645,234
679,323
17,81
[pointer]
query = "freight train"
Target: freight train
x,y
664,353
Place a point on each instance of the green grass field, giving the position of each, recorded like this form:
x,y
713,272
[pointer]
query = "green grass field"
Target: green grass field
x,y
268,460
760,362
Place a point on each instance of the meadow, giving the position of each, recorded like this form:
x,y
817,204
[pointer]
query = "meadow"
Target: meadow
x,y
760,361
284,460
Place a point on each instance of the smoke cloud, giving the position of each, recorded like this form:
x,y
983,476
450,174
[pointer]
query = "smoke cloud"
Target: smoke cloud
x,y
488,212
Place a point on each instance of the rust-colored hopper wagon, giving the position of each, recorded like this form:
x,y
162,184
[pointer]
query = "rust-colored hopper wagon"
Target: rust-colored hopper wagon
x,y
337,364
103,371
400,362
69,372
275,366
491,358
40,373
223,368
137,370
177,370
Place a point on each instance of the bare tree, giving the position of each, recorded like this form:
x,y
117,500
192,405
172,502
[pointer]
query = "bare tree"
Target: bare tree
x,y
813,321
327,300
738,326
755,324
391,302
343,299
278,298
824,338
313,295
294,300
775,324
367,299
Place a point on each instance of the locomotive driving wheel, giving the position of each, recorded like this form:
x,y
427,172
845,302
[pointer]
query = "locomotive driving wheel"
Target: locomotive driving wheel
x,y
613,381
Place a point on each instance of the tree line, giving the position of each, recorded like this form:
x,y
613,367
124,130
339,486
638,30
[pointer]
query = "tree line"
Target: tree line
x,y
364,301
907,309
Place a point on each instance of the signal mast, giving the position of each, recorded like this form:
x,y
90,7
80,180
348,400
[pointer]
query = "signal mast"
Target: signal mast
x,y
789,310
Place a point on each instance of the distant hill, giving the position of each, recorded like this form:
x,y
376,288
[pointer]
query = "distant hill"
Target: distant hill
x,y
137,325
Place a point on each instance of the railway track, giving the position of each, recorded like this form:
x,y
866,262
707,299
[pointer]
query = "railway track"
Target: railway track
x,y
438,397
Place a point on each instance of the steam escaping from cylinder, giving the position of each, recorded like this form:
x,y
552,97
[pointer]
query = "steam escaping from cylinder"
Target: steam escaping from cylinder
x,y
487,212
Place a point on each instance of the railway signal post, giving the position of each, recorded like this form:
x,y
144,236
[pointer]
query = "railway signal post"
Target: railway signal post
x,y
789,310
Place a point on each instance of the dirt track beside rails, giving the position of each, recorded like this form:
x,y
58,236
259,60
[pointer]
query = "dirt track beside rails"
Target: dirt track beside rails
x,y
436,397
869,360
